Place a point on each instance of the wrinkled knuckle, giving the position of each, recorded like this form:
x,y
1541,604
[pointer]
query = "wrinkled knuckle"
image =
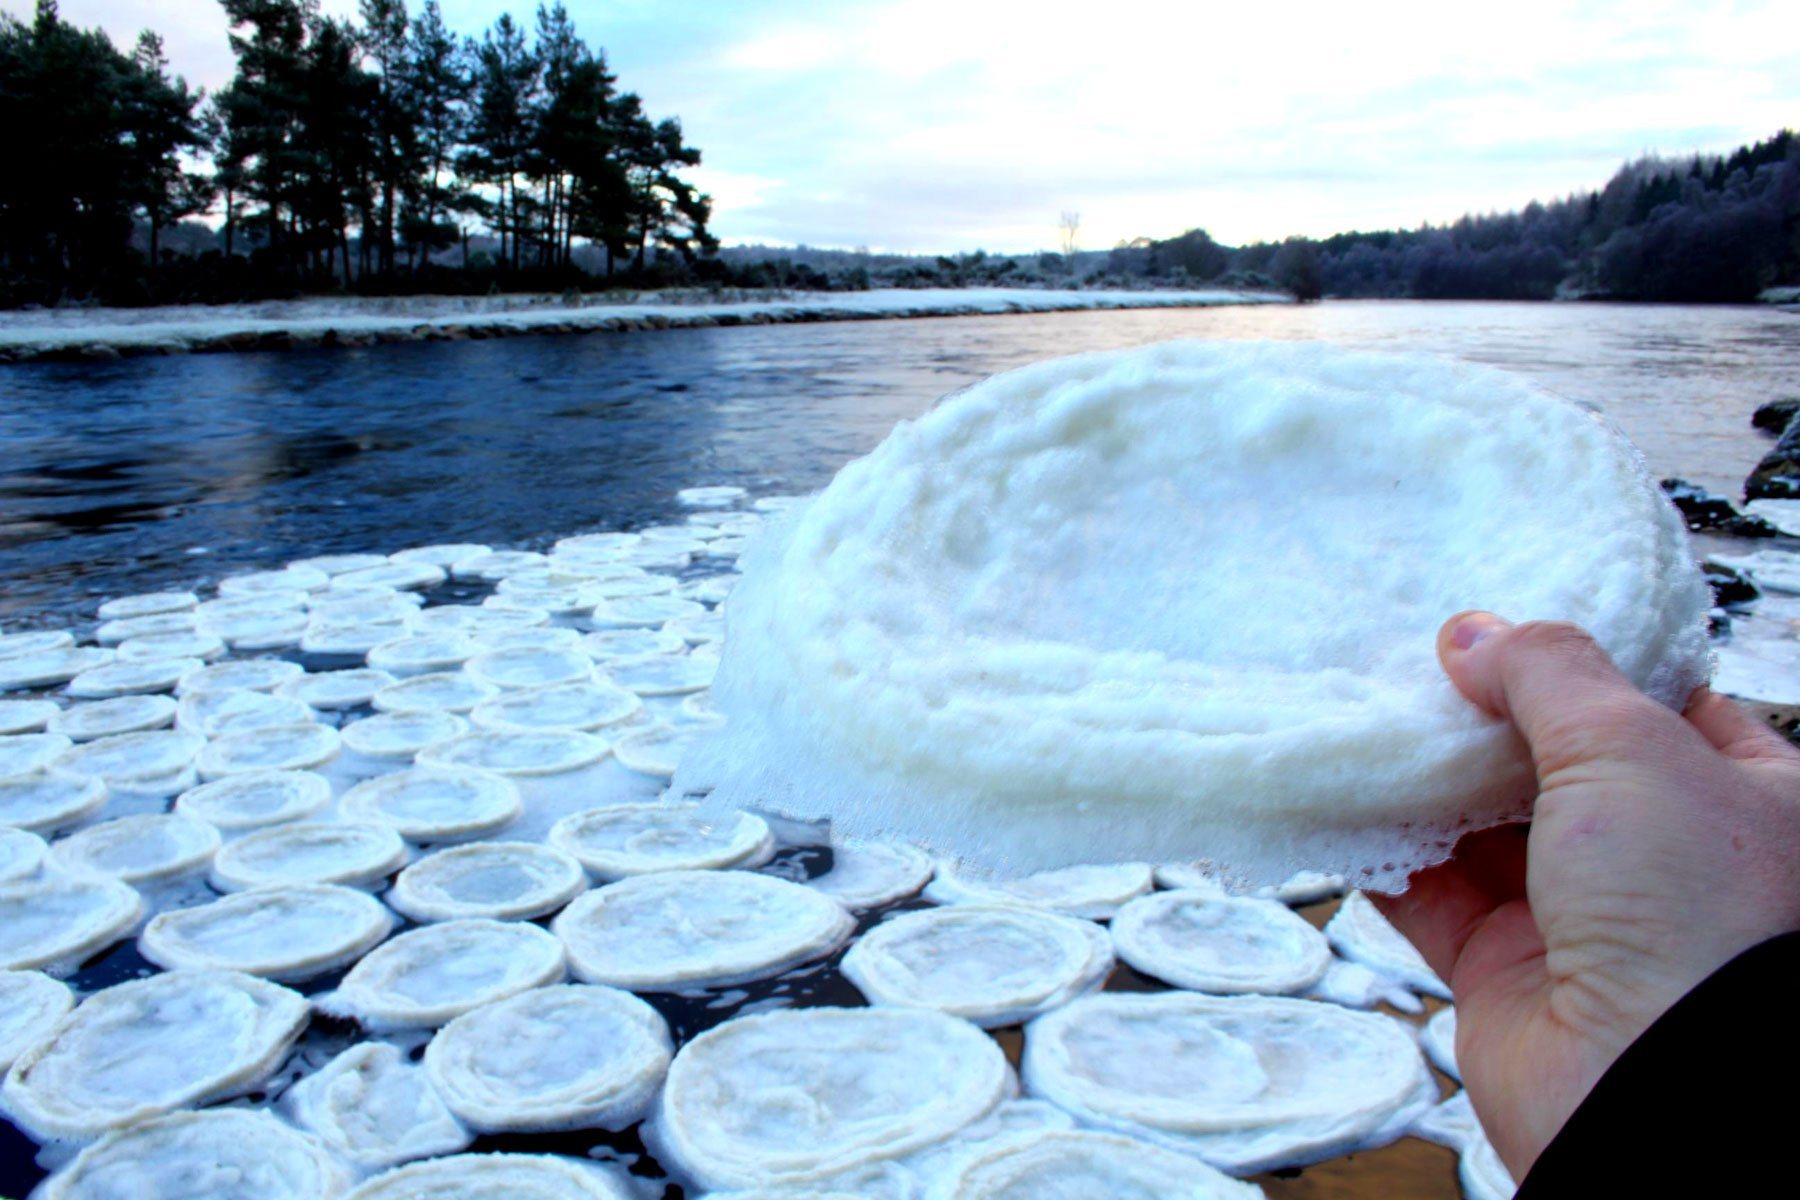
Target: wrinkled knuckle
x,y
1557,641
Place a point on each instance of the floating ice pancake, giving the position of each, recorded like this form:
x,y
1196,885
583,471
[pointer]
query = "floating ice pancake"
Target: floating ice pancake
x,y
356,854
1093,891
1775,570
225,1154
25,716
339,564
715,495
504,881
1248,1083
567,1057
228,608
214,714
147,1047
700,631
726,548
372,606
141,849
280,933
428,804
24,753
296,747
633,612
639,584
1086,1163
698,706
666,674
993,966
477,619
1783,514
444,555
43,668
53,924
399,736
1438,1038
189,644
625,645
1361,934
712,589
256,799
798,1096
421,654
1220,944
552,601
260,631
31,1003
114,632
49,800
1482,1175
1008,1121
587,705
147,605
539,752
529,667
496,1177
1213,661
871,874
683,929
374,1109
136,761
336,689
128,678
401,576
37,641
350,637
532,637
1356,986
636,839
428,976
104,718
288,579
437,691
21,854
657,750
496,564
1307,887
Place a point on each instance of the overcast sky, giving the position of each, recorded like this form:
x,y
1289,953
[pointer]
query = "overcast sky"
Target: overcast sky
x,y
932,125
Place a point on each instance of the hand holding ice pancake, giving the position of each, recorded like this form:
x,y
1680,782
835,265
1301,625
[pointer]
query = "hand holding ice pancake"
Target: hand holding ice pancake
x,y
1661,847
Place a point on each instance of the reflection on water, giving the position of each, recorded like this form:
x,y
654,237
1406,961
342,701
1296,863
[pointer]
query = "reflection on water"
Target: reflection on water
x,y
147,472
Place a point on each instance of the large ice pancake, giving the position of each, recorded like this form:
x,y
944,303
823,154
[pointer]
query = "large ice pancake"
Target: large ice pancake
x,y
280,933
372,1107
55,922
1220,944
1081,1164
227,1154
31,1003
1181,602
431,975
496,1177
800,1096
149,1046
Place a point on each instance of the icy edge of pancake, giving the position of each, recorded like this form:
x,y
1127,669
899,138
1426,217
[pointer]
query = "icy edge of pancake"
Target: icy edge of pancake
x,y
1182,602
228,1152
375,1109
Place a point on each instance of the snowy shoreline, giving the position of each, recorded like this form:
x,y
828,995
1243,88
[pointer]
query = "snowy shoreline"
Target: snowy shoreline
x,y
104,333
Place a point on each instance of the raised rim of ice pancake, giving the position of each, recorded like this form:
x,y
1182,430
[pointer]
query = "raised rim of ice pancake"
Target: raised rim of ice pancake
x,y
256,799
375,1108
21,853
121,714
1223,945
495,1177
394,987
31,1003
1023,1166
50,800
1181,603
52,924
201,1036
223,1154
436,804
620,840
141,848
801,1095
286,934
570,1056
438,887
26,716
353,853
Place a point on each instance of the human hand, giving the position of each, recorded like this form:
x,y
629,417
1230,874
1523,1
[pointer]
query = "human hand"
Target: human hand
x,y
1661,846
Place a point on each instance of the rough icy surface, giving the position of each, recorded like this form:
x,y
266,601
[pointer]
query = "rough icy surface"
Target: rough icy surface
x,y
1361,934
1095,891
374,1109
358,854
506,881
256,799
54,923
31,1003
428,976
1224,945
282,933
1083,1163
142,848
21,853
870,874
990,634
50,800
427,804
636,839
225,1154
496,1177
104,718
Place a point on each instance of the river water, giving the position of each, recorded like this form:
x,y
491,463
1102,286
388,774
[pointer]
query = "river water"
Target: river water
x,y
149,472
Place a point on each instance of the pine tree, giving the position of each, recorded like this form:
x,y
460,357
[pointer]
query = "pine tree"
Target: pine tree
x,y
437,88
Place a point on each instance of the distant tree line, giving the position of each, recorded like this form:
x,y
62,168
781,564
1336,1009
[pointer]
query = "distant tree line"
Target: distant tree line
x,y
343,154
1701,229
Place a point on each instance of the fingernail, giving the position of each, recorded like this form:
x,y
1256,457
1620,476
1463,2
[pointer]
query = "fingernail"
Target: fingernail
x,y
1473,628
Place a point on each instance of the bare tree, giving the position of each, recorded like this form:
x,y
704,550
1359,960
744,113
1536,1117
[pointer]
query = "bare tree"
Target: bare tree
x,y
1070,226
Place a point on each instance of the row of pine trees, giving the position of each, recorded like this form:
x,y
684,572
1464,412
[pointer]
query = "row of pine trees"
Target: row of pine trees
x,y
357,154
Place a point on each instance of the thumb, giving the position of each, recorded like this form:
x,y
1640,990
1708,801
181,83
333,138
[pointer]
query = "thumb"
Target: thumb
x,y
1555,684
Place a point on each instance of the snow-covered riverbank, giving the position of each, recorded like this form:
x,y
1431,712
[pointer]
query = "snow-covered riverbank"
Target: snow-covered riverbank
x,y
100,333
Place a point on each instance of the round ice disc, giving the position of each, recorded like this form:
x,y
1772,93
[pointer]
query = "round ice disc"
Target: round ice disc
x,y
347,852
256,799
1086,1163
656,749
297,747
698,706
31,1003
53,924
444,554
603,542
223,1154
870,874
496,564
1094,891
1248,1083
43,668
1223,945
474,619
129,759
215,714
431,975
399,736
496,1177
189,644
49,800
288,579
254,604
438,691
665,675
23,753
529,637
25,716
993,966
634,612
527,667
104,718
609,646
132,677
710,589
364,605
350,637
114,632
638,583
541,752
141,849
587,705
873,1084
244,674
556,600
282,933
635,839
336,689
259,631
21,854
402,576
1361,934
716,495
566,1057
427,804
420,654
339,564
685,929
700,631
146,605
372,1107
31,642
503,881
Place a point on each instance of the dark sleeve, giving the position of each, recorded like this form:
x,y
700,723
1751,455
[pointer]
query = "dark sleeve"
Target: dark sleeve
x,y
1708,1096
